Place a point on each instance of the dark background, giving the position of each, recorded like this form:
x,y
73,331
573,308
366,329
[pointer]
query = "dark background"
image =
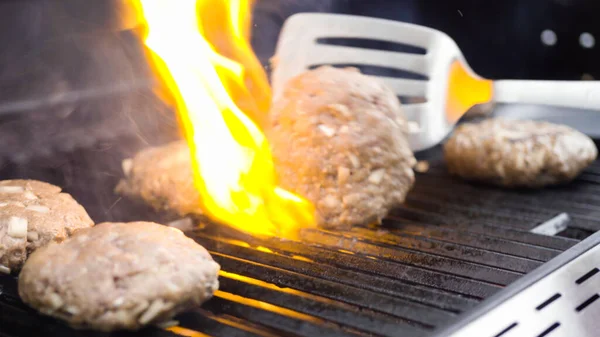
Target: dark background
x,y
500,39
73,74
51,46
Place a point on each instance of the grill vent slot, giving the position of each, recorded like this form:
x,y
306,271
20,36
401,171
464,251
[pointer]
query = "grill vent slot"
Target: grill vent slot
x,y
507,329
587,302
587,276
549,330
548,301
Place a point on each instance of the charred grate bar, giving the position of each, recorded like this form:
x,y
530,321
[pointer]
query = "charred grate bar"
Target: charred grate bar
x,y
452,245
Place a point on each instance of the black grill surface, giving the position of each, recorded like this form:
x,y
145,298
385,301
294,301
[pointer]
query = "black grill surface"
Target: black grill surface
x,y
452,245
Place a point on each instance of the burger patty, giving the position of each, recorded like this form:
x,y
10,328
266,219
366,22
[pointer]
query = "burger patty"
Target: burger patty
x,y
518,153
162,178
338,138
119,276
32,214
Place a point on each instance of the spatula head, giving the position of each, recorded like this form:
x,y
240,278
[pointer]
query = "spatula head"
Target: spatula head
x,y
419,65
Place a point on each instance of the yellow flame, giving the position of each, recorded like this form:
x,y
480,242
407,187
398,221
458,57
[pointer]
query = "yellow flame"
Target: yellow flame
x,y
201,50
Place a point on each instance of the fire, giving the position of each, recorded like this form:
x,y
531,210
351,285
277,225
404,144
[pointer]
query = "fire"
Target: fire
x,y
201,51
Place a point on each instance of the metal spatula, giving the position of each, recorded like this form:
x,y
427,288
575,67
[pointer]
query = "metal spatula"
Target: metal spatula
x,y
448,84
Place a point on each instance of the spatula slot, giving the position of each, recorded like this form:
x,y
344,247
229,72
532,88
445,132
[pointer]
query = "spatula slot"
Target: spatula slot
x,y
412,99
372,44
378,71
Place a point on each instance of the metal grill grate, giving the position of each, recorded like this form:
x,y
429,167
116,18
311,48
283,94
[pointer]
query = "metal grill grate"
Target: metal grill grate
x,y
452,245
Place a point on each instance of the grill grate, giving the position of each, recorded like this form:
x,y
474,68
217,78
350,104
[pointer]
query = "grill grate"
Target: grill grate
x,y
452,245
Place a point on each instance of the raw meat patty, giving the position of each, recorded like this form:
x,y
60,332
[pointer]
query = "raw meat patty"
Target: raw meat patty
x,y
162,177
339,139
119,276
33,213
518,153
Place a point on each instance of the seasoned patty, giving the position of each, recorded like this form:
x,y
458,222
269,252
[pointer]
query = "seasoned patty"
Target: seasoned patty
x,y
518,153
119,276
33,213
339,139
480,110
162,178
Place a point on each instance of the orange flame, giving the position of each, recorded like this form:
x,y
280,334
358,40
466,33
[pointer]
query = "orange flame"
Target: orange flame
x,y
201,50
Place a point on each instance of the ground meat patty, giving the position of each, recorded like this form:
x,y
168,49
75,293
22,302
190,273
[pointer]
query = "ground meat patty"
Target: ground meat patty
x,y
33,213
162,177
339,139
480,110
518,153
119,276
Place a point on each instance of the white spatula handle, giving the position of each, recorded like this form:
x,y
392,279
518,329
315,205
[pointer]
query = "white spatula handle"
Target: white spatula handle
x,y
572,94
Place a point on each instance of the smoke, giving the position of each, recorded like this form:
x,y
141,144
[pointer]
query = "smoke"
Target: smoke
x,y
71,76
